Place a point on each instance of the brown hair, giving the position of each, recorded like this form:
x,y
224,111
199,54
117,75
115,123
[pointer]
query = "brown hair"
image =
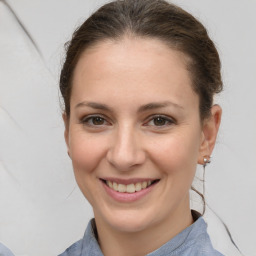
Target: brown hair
x,y
149,19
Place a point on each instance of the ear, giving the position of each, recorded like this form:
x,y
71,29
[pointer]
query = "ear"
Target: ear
x,y
66,132
209,133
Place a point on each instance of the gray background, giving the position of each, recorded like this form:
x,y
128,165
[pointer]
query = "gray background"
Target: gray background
x,y
42,210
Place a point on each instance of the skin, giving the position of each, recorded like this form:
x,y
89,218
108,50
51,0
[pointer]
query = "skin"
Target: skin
x,y
127,141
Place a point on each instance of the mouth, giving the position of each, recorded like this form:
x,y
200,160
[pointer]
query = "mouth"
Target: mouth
x,y
131,187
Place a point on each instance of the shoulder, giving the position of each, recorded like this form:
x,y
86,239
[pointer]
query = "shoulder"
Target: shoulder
x,y
4,251
198,241
74,250
87,246
202,247
192,241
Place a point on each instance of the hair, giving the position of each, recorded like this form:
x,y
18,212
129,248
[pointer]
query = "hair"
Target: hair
x,y
149,19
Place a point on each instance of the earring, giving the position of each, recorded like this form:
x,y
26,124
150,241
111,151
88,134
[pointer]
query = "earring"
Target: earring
x,y
207,160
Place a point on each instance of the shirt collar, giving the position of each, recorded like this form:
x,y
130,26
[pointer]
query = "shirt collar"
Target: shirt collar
x,y
187,237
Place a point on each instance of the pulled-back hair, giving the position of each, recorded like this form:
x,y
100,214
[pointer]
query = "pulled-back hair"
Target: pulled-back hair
x,y
149,19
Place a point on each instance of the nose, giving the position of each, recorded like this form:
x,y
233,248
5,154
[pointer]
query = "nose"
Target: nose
x,y
126,151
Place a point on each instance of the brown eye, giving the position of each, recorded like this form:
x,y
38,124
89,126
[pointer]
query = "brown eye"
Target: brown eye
x,y
94,121
159,121
98,120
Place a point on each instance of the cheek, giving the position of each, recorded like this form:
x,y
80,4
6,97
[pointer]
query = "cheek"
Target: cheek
x,y
177,154
86,152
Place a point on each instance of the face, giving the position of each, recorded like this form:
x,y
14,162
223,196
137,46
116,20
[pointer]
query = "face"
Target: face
x,y
134,133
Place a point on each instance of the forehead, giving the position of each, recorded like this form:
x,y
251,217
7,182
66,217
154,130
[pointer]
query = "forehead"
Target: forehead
x,y
139,68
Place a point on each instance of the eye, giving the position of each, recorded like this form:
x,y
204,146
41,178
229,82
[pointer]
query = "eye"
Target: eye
x,y
94,121
160,121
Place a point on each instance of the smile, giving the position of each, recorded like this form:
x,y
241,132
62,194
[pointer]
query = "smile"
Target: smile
x,y
129,188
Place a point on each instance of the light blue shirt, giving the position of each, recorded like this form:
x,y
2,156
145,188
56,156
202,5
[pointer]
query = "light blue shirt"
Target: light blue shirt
x,y
192,241
4,251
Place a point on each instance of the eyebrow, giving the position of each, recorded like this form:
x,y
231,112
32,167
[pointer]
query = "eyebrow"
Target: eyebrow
x,y
157,105
93,105
144,108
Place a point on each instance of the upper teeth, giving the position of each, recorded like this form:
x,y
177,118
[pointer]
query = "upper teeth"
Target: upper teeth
x,y
130,188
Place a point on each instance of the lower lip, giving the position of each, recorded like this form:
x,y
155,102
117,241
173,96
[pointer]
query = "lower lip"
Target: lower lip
x,y
128,197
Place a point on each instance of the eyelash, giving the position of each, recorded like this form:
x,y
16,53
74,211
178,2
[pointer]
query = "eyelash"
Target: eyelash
x,y
89,119
167,121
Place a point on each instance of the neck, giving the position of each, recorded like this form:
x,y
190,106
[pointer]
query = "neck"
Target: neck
x,y
116,242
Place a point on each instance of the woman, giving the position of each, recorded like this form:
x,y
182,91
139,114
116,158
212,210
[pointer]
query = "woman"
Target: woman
x,y
138,85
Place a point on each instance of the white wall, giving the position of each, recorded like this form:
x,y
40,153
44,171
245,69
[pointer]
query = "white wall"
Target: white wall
x,y
42,210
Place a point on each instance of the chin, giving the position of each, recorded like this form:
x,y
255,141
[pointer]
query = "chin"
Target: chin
x,y
130,221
